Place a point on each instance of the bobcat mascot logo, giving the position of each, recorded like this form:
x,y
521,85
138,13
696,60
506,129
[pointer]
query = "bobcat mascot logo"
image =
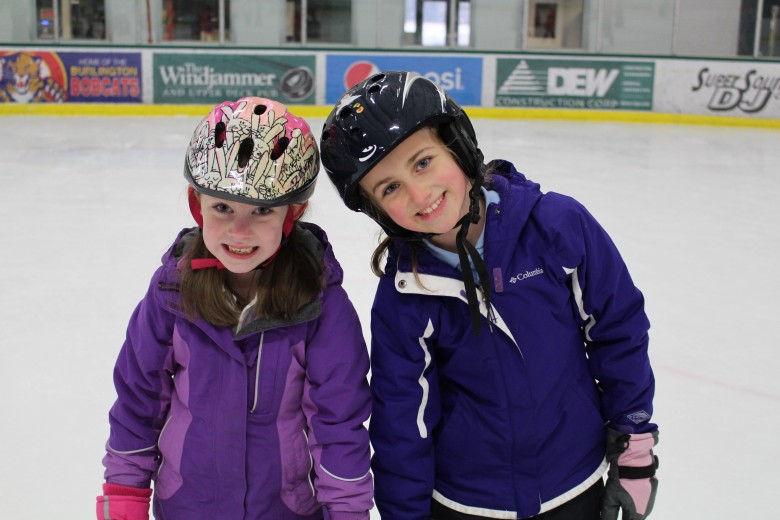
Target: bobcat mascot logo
x,y
29,78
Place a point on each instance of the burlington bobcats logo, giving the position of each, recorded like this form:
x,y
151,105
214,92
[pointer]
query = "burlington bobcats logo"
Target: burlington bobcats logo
x,y
519,277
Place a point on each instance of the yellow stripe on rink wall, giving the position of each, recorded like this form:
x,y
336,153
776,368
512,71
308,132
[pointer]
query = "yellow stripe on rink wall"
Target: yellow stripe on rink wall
x,y
97,109
121,109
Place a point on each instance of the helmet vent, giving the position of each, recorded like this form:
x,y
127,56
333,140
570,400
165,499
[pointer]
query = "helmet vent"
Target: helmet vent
x,y
373,89
279,148
377,78
345,112
354,131
220,134
260,109
245,151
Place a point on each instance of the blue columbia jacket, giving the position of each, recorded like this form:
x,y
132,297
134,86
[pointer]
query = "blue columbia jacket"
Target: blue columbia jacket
x,y
509,423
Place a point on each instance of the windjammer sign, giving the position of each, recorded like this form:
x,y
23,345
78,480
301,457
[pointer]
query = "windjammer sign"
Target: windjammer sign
x,y
212,78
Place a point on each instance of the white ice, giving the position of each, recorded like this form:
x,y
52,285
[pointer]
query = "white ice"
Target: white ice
x,y
89,204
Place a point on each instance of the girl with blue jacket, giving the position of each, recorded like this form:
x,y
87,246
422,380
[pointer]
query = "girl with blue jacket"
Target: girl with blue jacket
x,y
509,344
242,384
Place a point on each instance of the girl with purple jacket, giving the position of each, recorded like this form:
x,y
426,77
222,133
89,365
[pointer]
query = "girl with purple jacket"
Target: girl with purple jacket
x,y
241,385
509,344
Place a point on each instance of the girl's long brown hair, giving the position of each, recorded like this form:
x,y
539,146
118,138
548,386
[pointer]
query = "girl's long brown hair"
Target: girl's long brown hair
x,y
293,279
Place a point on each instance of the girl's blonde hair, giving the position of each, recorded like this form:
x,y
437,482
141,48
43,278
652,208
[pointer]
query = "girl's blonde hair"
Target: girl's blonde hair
x,y
293,279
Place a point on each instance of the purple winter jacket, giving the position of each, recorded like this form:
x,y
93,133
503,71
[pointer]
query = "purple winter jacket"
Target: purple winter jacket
x,y
264,423
508,423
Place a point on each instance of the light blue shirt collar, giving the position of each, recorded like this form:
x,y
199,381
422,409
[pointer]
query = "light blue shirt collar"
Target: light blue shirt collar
x,y
450,258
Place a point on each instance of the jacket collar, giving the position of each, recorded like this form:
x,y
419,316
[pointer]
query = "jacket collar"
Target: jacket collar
x,y
505,221
169,281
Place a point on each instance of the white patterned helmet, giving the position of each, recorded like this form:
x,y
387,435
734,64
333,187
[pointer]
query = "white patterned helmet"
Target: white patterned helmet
x,y
254,151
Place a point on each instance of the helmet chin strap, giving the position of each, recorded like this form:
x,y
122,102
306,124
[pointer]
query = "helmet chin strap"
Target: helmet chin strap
x,y
466,252
287,227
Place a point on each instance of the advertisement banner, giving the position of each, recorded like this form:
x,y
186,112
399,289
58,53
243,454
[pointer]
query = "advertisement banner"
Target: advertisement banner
x,y
721,88
461,77
83,77
103,78
212,78
574,84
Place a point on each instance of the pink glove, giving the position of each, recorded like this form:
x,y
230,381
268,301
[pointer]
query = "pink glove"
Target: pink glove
x,y
123,503
631,483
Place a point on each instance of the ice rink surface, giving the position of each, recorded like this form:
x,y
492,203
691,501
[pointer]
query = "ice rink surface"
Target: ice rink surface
x,y
89,204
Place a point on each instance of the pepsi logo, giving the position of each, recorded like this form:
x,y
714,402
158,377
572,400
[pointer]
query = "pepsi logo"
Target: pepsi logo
x,y
359,71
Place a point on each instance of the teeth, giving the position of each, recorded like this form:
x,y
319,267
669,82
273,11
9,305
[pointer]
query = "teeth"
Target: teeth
x,y
432,207
240,250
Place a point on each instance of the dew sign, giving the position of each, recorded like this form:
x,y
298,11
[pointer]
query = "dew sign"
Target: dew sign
x,y
574,84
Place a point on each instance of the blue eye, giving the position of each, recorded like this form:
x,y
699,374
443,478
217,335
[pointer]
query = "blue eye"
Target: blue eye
x,y
423,163
390,189
221,208
263,211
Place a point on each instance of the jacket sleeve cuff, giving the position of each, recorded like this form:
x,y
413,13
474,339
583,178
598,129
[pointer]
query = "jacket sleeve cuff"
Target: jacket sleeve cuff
x,y
119,489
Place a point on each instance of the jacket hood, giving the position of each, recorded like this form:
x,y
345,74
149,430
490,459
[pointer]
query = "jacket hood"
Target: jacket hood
x,y
314,237
518,196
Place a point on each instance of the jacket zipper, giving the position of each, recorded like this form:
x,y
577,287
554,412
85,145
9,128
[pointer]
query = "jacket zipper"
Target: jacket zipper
x,y
311,464
257,372
162,431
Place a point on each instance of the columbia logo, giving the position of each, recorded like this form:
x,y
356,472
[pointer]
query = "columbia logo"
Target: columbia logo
x,y
519,277
639,417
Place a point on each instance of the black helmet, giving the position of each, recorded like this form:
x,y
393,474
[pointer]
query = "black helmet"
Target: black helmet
x,y
375,116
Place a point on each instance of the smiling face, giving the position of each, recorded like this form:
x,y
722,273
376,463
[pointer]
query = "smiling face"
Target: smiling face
x,y
241,236
420,186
